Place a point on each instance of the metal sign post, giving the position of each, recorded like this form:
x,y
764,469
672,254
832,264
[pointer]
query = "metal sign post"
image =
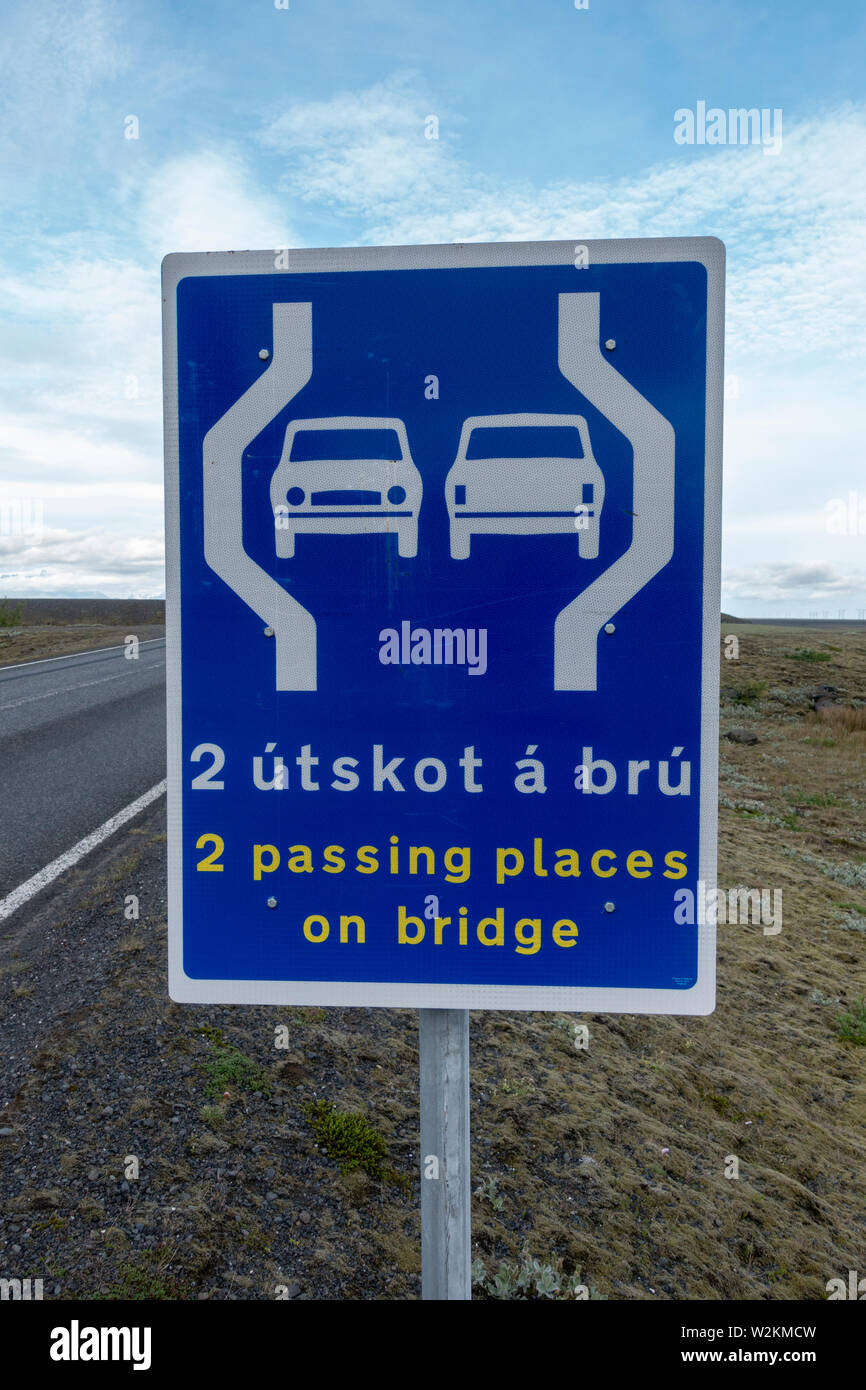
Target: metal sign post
x,y
445,1191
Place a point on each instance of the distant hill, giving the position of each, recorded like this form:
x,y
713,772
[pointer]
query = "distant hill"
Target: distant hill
x,y
35,611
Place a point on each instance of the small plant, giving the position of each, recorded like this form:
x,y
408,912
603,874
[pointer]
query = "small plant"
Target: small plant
x,y
213,1115
212,1034
9,617
808,654
852,1026
819,997
852,921
487,1188
750,692
517,1087
349,1138
306,1013
231,1068
532,1280
147,1278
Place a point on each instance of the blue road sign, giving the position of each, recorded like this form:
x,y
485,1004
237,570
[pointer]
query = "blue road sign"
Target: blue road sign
x,y
443,602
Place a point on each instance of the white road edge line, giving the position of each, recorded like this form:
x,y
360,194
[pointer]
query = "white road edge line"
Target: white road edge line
x,y
40,880
91,651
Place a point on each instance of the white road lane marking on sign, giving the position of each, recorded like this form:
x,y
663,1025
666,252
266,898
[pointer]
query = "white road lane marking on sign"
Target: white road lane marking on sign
x,y
40,880
91,651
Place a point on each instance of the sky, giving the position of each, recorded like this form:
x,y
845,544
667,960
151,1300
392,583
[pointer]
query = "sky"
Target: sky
x,y
131,130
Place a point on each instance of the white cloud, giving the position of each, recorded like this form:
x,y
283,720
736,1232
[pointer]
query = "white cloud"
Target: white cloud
x,y
81,361
360,150
804,583
80,378
207,201
792,223
54,59
61,562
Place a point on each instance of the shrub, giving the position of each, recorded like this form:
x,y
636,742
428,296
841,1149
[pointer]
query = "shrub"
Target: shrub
x,y
750,692
9,617
349,1138
852,1026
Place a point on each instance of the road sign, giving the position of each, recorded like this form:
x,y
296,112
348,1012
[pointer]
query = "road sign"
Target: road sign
x,y
443,624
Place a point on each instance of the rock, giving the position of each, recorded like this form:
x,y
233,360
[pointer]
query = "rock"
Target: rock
x,y
6,1132
306,1217
741,736
292,1290
93,1175
46,1198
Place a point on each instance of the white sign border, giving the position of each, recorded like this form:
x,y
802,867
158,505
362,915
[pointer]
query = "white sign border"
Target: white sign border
x,y
700,999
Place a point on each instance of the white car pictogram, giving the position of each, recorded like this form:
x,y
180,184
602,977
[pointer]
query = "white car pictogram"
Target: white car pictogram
x,y
522,475
346,475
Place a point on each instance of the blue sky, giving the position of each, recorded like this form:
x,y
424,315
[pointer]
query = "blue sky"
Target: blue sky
x,y
263,127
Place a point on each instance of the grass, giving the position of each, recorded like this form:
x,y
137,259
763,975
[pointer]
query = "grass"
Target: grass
x,y
510,1087
808,654
845,720
147,1278
750,692
852,1026
15,967
349,1138
230,1068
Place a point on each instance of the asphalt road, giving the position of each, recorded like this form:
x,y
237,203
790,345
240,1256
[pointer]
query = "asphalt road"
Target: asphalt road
x,y
80,738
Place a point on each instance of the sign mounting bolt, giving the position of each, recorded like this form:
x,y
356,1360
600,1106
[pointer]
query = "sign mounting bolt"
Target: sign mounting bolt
x,y
269,632
272,902
609,628
264,354
610,344
610,907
